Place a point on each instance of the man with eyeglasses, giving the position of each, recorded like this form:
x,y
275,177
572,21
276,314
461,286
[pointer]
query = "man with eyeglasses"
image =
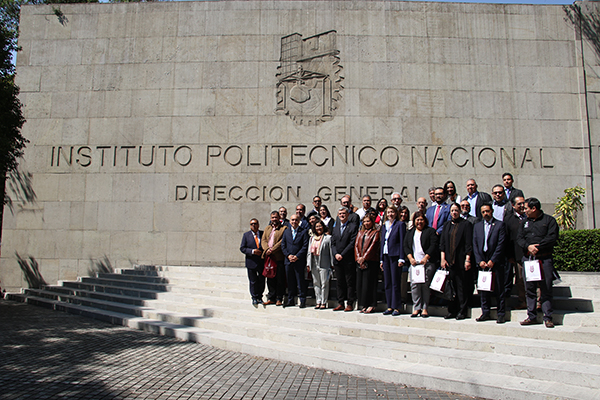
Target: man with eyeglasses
x,y
251,247
439,212
501,205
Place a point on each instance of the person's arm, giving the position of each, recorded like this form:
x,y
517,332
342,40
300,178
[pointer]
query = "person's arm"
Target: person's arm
x,y
401,234
245,246
499,250
284,244
551,236
476,250
304,249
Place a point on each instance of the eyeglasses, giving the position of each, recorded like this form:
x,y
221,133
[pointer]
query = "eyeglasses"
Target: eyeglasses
x,y
253,223
497,192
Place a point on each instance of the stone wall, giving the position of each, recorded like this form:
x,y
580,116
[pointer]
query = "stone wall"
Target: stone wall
x,y
159,129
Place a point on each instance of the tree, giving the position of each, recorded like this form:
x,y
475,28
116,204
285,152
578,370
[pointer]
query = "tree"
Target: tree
x,y
565,211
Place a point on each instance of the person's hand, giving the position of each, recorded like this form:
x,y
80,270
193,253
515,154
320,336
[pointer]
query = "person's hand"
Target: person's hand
x,y
467,265
444,264
533,249
269,251
490,264
338,257
482,264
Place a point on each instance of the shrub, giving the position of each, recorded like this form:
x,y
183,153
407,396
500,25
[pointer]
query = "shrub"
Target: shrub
x,y
578,251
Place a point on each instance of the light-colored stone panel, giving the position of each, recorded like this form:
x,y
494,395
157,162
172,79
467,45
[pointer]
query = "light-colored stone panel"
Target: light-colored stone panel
x,y
94,51
233,22
24,218
64,105
69,244
36,105
29,79
57,215
124,245
373,102
71,187
181,248
95,244
188,75
144,102
68,269
230,102
41,244
118,103
152,247
191,23
126,188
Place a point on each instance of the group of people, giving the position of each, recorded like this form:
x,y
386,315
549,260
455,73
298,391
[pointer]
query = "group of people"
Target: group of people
x,y
462,236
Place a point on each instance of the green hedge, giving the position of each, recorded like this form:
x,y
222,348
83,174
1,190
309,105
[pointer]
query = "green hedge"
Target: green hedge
x,y
578,251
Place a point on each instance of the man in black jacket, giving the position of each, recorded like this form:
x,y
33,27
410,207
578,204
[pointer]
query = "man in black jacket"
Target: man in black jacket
x,y
342,247
537,237
514,252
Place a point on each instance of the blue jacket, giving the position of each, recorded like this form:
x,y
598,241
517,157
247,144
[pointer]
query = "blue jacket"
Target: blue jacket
x,y
249,244
443,216
297,247
395,240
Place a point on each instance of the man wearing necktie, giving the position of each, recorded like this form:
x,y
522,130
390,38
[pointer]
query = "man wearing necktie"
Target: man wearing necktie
x,y
251,247
439,212
488,248
509,189
342,246
295,247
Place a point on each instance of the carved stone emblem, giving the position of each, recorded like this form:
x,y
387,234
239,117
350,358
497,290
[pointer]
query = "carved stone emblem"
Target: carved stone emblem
x,y
309,78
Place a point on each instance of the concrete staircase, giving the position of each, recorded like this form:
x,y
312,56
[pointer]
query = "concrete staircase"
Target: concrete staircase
x,y
212,306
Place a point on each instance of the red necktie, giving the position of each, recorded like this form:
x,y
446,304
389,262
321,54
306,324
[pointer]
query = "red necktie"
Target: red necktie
x,y
436,216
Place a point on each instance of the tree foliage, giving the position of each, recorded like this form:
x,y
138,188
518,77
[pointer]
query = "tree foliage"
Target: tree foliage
x,y
565,211
12,143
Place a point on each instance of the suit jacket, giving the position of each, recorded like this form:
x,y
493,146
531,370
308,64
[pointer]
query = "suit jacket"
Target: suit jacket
x,y
511,224
395,241
277,254
514,192
482,198
462,246
295,246
429,243
444,216
344,243
495,242
247,246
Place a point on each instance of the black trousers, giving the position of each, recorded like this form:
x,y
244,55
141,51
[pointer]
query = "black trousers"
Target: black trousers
x,y
546,291
499,290
277,285
366,284
297,285
462,284
257,282
345,273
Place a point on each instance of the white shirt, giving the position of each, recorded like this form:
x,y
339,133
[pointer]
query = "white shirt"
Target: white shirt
x,y
418,252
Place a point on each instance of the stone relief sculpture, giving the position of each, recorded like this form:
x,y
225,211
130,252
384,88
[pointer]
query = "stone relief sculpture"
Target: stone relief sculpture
x,y
309,78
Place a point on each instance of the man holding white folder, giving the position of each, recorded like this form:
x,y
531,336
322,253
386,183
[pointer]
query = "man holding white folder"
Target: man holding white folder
x,y
488,247
538,236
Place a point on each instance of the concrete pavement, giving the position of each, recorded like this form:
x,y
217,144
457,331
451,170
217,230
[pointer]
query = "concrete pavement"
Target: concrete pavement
x,y
46,354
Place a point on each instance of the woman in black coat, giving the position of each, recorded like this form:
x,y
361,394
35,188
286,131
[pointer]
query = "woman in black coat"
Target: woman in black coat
x,y
456,246
421,247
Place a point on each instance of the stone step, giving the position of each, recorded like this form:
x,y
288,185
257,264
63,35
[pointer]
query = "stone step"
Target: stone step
x,y
134,278
580,278
125,291
568,333
59,292
392,333
126,283
398,367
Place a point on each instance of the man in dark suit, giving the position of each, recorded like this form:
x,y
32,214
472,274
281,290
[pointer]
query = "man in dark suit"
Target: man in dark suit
x,y
283,217
353,217
511,192
476,199
342,247
501,206
295,246
488,248
514,252
439,212
301,213
254,263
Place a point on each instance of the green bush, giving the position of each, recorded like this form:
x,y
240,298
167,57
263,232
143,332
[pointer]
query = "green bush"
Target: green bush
x,y
578,251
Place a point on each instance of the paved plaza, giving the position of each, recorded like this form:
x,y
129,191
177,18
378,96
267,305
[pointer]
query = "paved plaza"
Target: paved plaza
x,y
53,355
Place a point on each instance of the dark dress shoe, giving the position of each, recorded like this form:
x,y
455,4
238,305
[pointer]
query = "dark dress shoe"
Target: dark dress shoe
x,y
388,311
460,316
303,304
450,316
289,304
483,317
501,319
254,302
549,324
396,313
528,322
339,307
